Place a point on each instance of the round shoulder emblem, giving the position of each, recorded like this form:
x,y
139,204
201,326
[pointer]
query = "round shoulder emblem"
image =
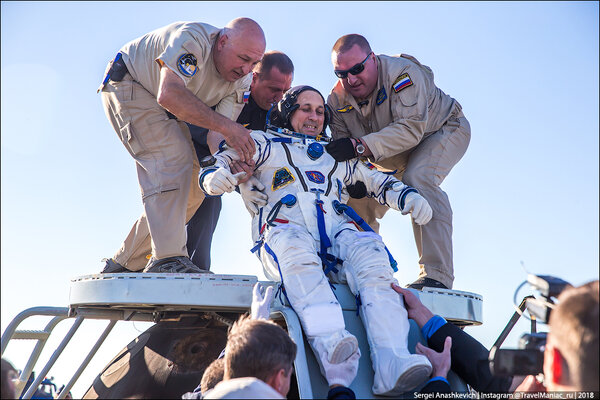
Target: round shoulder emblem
x,y
187,64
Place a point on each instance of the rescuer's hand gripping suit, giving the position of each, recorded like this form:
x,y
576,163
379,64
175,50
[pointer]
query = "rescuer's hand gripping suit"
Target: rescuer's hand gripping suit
x,y
302,235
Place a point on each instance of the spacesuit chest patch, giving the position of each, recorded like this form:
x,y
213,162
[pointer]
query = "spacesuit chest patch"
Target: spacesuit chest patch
x,y
315,176
281,178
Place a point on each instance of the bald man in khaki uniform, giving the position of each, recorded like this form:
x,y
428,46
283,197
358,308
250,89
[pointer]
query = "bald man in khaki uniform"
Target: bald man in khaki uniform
x,y
389,109
156,82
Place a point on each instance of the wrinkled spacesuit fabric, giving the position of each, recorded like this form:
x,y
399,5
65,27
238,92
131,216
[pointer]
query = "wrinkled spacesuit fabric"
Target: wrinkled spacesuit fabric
x,y
299,223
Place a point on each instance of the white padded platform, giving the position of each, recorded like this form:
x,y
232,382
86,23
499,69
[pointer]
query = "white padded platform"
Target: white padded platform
x,y
167,291
211,292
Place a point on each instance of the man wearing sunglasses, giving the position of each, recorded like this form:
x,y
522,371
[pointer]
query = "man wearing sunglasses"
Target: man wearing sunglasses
x,y
387,108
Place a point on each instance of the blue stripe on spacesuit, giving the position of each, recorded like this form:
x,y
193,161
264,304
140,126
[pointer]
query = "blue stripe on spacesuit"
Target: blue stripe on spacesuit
x,y
331,262
354,167
282,287
365,227
264,155
258,244
258,149
337,234
383,184
328,260
281,140
384,190
403,195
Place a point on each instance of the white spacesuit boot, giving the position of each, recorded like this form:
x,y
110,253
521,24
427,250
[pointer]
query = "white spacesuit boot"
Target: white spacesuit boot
x,y
339,345
308,291
368,272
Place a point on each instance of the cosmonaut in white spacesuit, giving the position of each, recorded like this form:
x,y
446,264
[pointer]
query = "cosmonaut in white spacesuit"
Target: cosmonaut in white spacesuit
x,y
303,236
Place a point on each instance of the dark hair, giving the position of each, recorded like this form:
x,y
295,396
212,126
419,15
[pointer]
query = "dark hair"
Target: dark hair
x,y
257,348
280,114
5,392
275,59
213,374
573,329
346,42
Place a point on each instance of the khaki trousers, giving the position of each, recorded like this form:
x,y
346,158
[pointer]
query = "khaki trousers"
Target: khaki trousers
x,y
425,168
167,170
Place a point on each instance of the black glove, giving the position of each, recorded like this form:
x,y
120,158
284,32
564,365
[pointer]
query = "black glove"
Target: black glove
x,y
341,149
357,190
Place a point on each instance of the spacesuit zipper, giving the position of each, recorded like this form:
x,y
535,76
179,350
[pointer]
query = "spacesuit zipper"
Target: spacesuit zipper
x,y
289,158
329,178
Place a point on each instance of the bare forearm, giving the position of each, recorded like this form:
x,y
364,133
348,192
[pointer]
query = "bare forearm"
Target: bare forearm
x,y
178,100
187,107
421,315
175,97
214,139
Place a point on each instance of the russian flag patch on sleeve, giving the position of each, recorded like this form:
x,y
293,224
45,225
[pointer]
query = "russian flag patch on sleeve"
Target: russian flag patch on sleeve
x,y
402,82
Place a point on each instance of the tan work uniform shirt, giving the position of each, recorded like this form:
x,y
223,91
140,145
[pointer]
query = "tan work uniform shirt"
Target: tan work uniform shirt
x,y
185,48
404,108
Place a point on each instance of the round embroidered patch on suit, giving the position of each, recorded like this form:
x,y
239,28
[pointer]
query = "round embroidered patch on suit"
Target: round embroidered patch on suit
x,y
187,64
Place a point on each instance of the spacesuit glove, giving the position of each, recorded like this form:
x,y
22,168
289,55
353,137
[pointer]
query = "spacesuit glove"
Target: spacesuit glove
x,y
342,373
253,194
341,149
418,207
261,306
221,181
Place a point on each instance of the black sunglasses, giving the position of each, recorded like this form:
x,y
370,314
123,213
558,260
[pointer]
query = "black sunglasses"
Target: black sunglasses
x,y
355,70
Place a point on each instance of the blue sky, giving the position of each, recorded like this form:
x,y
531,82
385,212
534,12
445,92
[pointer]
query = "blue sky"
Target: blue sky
x,y
526,74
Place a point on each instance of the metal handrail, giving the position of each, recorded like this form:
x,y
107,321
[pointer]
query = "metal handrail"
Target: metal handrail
x,y
53,358
43,311
59,313
63,393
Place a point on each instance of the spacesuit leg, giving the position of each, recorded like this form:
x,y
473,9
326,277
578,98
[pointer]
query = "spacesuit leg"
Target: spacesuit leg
x,y
308,290
368,273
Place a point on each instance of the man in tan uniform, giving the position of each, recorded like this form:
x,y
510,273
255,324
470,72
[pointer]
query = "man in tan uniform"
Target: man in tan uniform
x,y
389,109
156,82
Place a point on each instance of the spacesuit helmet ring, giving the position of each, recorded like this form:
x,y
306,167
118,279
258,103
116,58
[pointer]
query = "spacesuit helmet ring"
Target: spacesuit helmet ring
x,y
280,113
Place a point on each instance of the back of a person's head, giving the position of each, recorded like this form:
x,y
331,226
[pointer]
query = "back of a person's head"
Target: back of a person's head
x,y
213,374
573,330
243,388
257,348
7,387
275,59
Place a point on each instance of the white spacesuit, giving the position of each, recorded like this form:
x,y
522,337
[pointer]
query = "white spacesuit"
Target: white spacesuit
x,y
299,233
